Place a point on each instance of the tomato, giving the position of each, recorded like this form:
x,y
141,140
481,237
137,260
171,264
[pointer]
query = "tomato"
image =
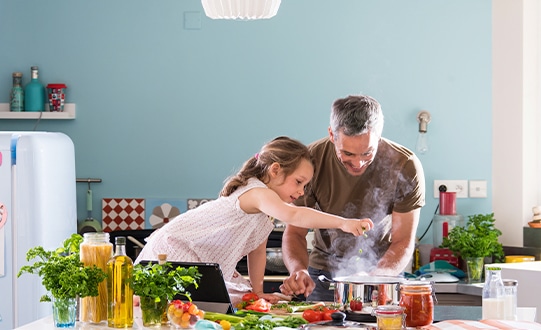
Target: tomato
x,y
311,315
327,314
249,297
260,305
356,305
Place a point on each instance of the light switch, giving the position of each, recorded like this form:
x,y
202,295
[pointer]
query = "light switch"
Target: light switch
x,y
478,189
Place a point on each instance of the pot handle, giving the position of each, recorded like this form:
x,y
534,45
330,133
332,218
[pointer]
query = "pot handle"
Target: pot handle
x,y
323,278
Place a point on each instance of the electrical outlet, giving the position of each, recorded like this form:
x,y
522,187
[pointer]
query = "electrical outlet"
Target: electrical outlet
x,y
458,186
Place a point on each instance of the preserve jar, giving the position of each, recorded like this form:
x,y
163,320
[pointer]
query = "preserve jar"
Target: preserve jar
x,y
389,317
96,250
417,298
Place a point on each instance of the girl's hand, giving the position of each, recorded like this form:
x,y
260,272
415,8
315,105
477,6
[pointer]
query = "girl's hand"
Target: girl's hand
x,y
270,297
357,227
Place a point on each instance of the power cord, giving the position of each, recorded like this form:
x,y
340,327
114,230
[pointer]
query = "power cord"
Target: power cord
x,y
441,188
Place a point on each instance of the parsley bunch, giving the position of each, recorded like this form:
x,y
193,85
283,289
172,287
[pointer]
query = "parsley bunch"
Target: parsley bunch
x,y
163,281
63,274
479,238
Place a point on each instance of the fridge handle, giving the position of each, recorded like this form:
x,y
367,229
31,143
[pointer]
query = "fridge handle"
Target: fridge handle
x,y
3,215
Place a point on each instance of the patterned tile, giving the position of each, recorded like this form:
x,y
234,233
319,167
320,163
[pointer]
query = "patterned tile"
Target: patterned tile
x,y
161,210
123,214
192,203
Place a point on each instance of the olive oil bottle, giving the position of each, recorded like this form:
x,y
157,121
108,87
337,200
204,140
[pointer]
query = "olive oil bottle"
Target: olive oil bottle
x,y
119,290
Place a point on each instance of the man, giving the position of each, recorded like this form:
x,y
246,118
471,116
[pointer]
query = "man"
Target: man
x,y
358,174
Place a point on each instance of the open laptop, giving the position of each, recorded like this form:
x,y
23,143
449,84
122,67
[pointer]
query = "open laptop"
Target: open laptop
x,y
211,294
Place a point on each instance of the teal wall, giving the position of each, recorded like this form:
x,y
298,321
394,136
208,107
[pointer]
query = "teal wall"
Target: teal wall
x,y
169,112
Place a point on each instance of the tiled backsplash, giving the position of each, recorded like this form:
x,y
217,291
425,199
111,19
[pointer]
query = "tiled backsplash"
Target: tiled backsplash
x,y
141,213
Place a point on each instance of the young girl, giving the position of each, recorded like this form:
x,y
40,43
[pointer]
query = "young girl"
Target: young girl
x,y
238,223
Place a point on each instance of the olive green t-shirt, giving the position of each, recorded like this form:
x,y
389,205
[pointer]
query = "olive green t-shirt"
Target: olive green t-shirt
x,y
393,182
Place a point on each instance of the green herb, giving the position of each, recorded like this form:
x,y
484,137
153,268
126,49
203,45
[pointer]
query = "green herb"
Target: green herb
x,y
162,281
478,239
63,274
269,322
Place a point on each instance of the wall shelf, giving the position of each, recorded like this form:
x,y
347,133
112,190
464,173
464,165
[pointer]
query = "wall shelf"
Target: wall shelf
x,y
68,113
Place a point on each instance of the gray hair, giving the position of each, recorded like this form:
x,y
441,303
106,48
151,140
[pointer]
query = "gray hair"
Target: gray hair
x,y
355,115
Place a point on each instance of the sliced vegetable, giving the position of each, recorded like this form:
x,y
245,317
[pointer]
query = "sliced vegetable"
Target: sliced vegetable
x,y
249,297
260,305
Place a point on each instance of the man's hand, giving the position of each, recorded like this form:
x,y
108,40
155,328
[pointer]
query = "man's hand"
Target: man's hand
x,y
298,283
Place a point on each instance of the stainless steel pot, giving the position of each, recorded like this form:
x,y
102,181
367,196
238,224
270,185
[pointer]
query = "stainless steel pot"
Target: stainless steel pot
x,y
373,291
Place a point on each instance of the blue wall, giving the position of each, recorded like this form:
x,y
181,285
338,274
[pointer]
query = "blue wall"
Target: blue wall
x,y
165,111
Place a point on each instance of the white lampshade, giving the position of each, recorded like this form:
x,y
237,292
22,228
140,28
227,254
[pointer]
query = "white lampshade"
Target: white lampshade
x,y
240,9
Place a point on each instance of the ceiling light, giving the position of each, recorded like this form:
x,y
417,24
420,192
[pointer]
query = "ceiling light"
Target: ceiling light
x,y
241,9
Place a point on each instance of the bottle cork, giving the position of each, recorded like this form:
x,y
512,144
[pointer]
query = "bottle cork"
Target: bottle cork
x,y
162,258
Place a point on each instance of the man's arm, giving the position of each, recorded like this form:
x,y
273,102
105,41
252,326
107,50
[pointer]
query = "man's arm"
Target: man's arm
x,y
403,231
295,254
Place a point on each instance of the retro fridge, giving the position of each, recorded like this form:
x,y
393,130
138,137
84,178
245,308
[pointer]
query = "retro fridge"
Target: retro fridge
x,y
37,208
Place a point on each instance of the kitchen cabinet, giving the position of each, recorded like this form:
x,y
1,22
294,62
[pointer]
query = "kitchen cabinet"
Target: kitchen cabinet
x,y
68,113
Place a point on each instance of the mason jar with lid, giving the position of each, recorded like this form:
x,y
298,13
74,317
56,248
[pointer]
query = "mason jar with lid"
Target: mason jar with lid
x,y
389,317
417,298
97,250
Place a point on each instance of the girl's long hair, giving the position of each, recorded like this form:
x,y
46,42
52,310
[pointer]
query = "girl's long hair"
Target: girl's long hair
x,y
282,150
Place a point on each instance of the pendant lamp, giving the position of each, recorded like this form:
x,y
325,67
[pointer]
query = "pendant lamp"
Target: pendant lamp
x,y
241,9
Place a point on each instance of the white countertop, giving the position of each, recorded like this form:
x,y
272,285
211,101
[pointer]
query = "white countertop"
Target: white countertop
x,y
46,323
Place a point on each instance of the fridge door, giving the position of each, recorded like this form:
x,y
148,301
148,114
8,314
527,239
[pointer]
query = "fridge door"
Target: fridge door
x,y
43,213
6,302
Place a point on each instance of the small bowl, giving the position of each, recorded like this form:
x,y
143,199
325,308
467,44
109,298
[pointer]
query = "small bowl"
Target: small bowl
x,y
534,224
180,317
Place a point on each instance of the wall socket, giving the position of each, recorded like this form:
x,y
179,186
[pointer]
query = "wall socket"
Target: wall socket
x,y
458,186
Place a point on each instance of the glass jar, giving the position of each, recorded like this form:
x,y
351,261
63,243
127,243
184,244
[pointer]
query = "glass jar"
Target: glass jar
x,y
417,298
389,317
97,250
16,100
510,299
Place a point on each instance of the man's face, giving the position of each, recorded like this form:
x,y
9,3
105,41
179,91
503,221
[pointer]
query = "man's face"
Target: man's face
x,y
355,152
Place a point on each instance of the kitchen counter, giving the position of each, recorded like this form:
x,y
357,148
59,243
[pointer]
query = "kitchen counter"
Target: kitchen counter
x,y
441,313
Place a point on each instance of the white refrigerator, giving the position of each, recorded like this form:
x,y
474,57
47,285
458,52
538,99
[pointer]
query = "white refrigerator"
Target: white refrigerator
x,y
38,207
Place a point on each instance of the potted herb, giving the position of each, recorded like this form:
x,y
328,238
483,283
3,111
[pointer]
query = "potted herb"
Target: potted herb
x,y
156,284
474,242
65,278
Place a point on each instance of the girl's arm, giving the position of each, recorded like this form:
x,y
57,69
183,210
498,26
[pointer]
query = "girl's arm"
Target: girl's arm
x,y
256,270
256,267
267,201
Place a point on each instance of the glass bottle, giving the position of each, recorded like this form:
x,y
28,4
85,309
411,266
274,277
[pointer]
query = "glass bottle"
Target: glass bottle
x,y
16,99
34,92
97,250
510,305
493,295
119,289
417,298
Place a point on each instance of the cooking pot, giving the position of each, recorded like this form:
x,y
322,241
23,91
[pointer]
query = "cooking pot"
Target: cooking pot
x,y
372,291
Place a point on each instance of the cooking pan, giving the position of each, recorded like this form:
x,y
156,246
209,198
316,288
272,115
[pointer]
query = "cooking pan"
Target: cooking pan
x,y
372,291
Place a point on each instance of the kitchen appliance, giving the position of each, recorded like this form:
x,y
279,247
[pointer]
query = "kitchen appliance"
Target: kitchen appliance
x,y
443,223
37,190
